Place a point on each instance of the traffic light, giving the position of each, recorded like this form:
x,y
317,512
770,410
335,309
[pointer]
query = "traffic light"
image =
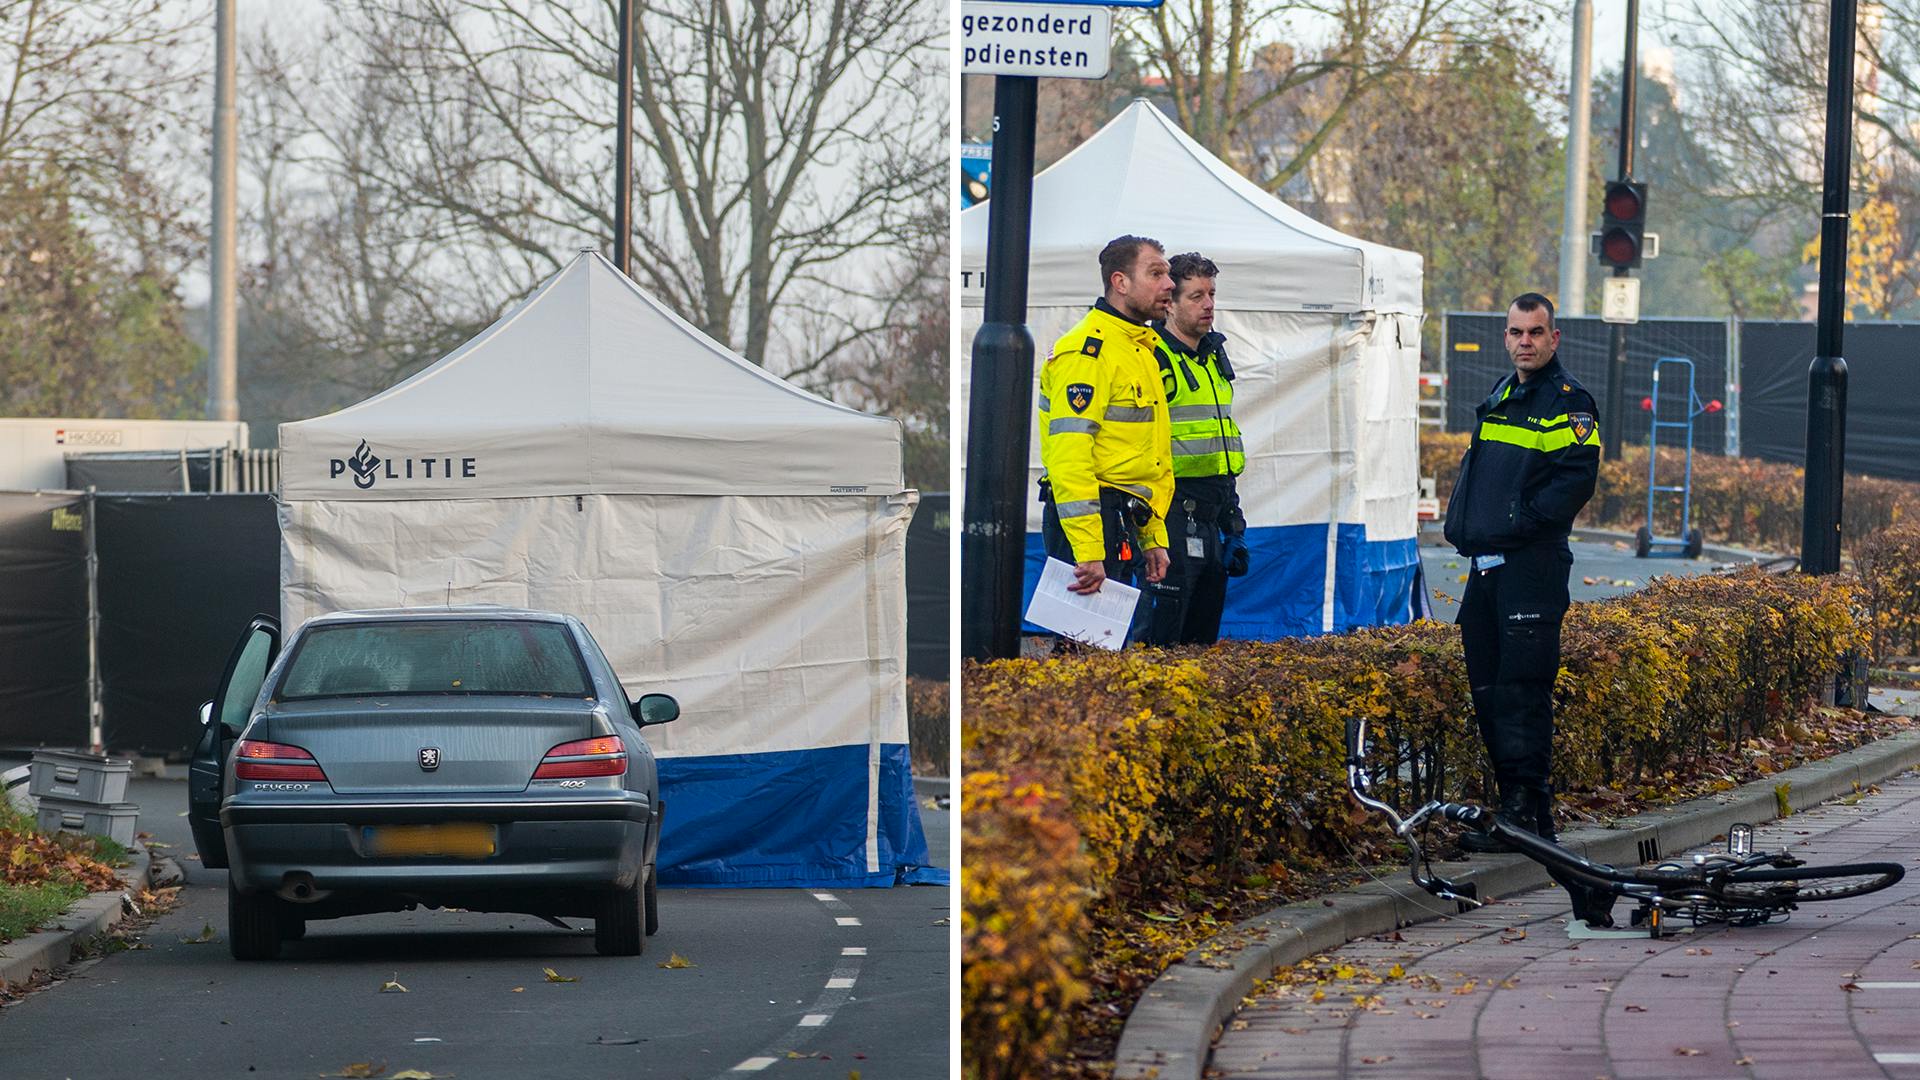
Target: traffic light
x,y
1623,224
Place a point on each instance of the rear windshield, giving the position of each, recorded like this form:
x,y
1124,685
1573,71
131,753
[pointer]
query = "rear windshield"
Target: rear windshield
x,y
491,657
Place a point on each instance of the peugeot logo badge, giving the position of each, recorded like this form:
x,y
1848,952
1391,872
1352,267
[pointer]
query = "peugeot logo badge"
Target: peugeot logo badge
x,y
429,758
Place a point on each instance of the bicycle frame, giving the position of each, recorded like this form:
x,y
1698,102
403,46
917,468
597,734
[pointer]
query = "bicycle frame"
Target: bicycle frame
x,y
1683,887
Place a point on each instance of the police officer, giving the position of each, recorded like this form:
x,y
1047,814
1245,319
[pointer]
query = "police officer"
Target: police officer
x,y
1205,528
1103,428
1530,468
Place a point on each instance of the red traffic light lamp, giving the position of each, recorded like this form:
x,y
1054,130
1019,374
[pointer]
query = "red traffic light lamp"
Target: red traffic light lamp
x,y
1623,224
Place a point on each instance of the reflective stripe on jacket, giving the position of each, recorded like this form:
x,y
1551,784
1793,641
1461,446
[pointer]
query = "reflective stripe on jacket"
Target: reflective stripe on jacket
x,y
1206,441
1103,423
1531,467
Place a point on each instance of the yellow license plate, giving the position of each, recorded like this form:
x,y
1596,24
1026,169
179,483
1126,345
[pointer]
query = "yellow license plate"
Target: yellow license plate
x,y
471,840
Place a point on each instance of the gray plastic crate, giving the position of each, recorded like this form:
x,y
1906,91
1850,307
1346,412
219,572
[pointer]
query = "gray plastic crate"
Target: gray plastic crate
x,y
88,778
114,822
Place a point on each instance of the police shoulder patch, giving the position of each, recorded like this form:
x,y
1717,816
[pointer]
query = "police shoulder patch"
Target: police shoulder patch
x,y
1583,426
1092,347
1079,396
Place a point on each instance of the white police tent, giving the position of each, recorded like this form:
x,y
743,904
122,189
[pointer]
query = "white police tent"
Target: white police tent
x,y
728,538
1324,334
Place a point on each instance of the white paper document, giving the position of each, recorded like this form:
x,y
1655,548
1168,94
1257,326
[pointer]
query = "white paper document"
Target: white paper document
x,y
1099,619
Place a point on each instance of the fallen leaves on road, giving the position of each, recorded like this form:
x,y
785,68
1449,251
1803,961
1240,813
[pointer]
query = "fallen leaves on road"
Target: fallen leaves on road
x,y
206,935
1687,1051
392,986
554,976
416,1074
360,1070
1636,1008
1850,987
675,961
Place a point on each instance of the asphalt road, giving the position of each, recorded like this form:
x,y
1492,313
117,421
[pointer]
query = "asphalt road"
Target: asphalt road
x,y
1611,564
783,983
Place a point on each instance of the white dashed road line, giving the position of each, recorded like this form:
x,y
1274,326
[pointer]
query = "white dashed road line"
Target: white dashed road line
x,y
838,991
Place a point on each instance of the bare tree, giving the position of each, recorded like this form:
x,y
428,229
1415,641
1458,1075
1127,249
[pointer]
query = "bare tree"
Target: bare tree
x,y
1764,95
97,90
1236,69
784,145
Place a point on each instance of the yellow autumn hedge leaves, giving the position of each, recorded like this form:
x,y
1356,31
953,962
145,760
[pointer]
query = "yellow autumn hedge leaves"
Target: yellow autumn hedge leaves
x,y
1102,783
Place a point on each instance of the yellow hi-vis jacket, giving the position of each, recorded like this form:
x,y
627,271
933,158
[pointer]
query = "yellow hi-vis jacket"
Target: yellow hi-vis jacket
x,y
1206,441
1103,423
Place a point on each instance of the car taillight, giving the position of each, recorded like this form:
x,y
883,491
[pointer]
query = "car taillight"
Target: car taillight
x,y
257,760
604,755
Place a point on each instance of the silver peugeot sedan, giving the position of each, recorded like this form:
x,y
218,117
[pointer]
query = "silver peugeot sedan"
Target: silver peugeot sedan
x,y
475,757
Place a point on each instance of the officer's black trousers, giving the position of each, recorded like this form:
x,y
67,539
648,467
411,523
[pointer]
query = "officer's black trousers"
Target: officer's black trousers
x,y
1187,605
1510,627
1113,526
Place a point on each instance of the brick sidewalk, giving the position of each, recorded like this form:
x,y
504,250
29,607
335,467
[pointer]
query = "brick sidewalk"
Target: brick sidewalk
x,y
1503,994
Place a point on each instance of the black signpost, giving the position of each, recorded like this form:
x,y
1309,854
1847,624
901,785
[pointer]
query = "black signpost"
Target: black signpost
x,y
999,425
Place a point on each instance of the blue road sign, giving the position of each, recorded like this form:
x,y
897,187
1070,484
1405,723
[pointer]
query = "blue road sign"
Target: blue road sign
x,y
976,172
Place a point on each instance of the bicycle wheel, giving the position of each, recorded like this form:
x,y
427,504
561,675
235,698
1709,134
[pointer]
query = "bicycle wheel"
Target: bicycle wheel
x,y
1805,884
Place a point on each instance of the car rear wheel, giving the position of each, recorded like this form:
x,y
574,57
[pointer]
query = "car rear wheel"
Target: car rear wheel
x,y
620,928
653,902
253,924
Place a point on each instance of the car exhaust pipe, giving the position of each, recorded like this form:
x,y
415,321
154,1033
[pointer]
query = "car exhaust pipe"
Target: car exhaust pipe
x,y
298,887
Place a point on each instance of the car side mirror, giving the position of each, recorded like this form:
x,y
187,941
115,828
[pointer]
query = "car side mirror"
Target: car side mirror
x,y
206,713
656,709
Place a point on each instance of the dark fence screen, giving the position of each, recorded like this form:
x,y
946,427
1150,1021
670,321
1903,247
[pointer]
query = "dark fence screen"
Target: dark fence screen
x,y
180,575
929,572
43,620
1476,359
1883,361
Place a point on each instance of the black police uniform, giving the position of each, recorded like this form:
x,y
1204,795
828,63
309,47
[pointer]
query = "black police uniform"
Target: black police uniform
x,y
1205,518
1531,467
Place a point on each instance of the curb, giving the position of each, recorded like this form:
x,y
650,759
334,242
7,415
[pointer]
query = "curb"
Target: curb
x,y
1170,1032
91,914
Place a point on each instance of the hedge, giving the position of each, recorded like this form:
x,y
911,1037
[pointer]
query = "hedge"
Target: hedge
x,y
1100,785
929,725
1741,501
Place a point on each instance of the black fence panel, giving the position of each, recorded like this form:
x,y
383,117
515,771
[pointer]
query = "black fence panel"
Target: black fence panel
x,y
180,575
1883,361
929,572
43,620
1476,359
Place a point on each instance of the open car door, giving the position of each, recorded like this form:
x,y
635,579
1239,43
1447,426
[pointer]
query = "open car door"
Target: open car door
x,y
222,720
